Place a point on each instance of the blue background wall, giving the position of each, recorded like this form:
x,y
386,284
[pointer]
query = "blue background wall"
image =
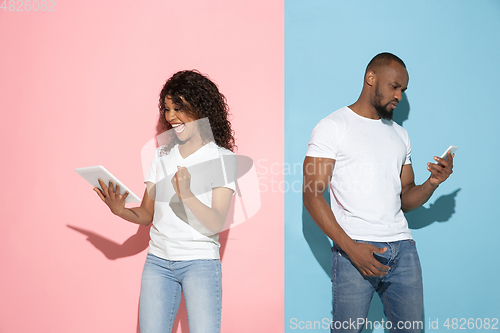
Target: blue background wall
x,y
452,52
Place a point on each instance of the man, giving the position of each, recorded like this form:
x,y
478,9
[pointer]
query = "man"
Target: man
x,y
365,158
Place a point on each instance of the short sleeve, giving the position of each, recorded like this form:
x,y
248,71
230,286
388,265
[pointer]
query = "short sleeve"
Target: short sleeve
x,y
408,150
151,175
324,142
223,171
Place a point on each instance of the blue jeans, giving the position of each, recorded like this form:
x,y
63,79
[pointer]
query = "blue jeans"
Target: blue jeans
x,y
164,281
400,290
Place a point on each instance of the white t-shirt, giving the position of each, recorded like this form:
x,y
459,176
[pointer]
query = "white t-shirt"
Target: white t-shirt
x,y
365,188
176,234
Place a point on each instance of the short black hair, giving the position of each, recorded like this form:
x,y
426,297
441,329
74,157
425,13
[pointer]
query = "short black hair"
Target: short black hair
x,y
383,59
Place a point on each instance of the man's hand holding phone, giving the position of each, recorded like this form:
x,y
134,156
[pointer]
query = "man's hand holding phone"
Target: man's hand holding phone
x,y
443,168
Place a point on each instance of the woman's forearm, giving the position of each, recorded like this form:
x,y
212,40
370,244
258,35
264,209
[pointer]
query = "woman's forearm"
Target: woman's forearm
x,y
139,215
211,218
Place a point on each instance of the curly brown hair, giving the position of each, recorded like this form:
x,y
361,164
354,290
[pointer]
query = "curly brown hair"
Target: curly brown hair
x,y
198,97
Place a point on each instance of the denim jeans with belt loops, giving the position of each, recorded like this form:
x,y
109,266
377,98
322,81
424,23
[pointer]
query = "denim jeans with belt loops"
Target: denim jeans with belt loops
x,y
400,290
164,281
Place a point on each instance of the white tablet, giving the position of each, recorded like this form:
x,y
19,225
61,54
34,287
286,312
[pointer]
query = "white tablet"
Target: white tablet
x,y
93,173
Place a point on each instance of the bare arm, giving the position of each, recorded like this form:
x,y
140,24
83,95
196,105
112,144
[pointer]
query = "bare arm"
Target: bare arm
x,y
116,203
317,174
213,218
413,196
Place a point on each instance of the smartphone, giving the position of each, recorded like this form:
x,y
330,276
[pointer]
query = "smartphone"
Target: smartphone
x,y
452,150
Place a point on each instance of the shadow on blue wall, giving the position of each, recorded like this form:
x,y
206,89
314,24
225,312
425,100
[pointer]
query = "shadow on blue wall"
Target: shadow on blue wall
x,y
440,211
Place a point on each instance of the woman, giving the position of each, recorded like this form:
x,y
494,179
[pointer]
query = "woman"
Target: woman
x,y
189,189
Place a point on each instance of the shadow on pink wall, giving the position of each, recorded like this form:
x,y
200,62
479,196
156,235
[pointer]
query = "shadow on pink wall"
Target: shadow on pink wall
x,y
137,243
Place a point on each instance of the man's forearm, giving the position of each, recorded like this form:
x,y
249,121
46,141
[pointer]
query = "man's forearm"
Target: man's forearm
x,y
322,214
417,195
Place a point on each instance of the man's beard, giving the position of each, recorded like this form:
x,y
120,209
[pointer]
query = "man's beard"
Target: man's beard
x,y
381,110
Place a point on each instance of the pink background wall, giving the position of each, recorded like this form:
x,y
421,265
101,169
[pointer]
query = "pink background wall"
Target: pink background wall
x,y
79,87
